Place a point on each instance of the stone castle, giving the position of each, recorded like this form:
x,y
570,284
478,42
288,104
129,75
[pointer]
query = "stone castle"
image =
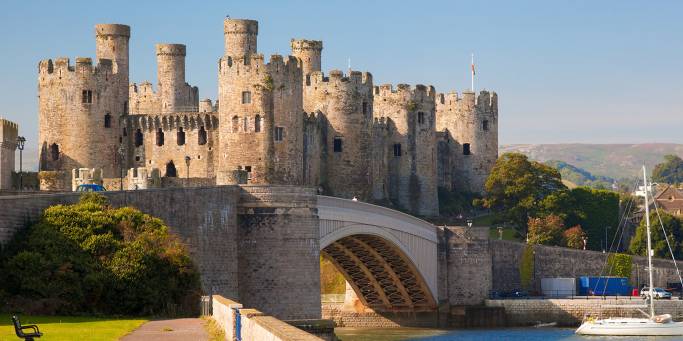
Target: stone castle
x,y
276,121
8,144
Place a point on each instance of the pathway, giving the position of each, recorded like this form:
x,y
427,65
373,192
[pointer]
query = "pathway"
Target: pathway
x,y
170,330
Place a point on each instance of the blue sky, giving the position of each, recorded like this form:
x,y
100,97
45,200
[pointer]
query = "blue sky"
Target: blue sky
x,y
565,71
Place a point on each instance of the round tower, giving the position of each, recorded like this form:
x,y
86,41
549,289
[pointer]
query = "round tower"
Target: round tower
x,y
112,43
309,51
171,76
412,165
346,104
240,37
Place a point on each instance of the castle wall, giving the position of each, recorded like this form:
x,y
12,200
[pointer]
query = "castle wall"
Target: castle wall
x,y
412,164
8,144
309,51
346,103
151,155
379,162
471,121
315,151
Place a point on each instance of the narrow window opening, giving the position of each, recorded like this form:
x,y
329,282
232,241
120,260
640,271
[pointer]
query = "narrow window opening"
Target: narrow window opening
x,y
338,145
466,149
137,158
245,125
279,133
246,97
54,151
125,107
202,136
485,125
125,131
170,170
235,124
257,124
365,108
138,138
397,149
87,96
181,136
420,117
107,120
160,137
248,169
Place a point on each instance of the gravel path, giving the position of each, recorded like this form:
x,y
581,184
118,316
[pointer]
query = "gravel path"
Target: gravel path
x,y
170,330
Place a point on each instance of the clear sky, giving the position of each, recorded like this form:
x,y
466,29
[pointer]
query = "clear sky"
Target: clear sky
x,y
565,71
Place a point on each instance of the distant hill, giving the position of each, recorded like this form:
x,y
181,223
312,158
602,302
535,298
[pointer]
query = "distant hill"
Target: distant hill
x,y
616,161
573,176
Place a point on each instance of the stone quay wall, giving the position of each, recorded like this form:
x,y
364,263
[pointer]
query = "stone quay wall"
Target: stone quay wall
x,y
254,325
568,312
552,261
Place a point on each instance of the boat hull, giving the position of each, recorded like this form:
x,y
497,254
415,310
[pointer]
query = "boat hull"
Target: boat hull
x,y
630,327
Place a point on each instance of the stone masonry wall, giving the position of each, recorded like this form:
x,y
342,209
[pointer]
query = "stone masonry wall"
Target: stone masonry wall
x,y
204,218
550,261
279,251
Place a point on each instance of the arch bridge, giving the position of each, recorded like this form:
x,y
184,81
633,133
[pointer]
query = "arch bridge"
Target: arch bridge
x,y
388,257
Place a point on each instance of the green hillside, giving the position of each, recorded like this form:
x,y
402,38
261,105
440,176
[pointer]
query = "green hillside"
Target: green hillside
x,y
580,177
616,161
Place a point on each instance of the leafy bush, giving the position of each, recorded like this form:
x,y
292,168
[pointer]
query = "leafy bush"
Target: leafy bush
x,y
574,237
546,230
92,258
620,265
526,267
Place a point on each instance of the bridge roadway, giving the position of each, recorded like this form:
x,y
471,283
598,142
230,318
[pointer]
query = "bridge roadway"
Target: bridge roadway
x,y
388,257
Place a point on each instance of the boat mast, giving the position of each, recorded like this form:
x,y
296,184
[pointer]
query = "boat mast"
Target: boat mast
x,y
649,244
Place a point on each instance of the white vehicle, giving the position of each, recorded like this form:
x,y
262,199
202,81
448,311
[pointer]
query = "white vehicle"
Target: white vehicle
x,y
656,293
652,325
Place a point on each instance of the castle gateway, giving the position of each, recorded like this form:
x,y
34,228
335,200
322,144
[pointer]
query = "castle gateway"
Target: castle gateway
x,y
276,121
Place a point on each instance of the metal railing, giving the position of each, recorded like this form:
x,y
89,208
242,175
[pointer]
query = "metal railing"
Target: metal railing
x,y
205,306
555,294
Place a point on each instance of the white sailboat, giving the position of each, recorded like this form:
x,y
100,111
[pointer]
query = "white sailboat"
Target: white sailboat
x,y
653,325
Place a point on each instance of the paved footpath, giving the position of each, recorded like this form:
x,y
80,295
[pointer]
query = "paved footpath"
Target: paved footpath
x,y
170,330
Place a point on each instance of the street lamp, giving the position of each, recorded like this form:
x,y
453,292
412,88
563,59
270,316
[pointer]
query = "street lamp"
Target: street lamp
x,y
20,145
585,241
500,233
187,163
469,222
121,155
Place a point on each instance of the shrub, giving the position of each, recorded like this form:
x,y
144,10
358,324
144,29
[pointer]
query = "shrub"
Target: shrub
x,y
620,265
574,237
92,258
546,230
526,267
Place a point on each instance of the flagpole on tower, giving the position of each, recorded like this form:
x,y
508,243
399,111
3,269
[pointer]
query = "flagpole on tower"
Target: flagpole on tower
x,y
472,72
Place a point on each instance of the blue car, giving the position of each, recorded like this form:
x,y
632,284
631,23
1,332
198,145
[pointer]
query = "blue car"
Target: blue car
x,y
90,188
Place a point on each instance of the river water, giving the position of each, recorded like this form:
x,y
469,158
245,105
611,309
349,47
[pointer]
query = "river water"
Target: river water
x,y
539,334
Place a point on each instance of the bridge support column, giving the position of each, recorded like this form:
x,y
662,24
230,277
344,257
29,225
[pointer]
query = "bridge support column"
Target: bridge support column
x,y
279,251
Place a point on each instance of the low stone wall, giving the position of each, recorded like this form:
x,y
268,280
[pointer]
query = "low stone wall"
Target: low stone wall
x,y
254,325
570,312
343,317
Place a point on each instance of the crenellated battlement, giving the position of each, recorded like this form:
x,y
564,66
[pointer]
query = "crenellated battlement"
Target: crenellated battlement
x,y
171,50
144,88
169,122
486,101
338,77
306,45
405,90
61,67
7,124
240,26
112,30
255,64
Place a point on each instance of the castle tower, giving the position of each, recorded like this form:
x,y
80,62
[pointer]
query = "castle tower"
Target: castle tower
x,y
309,51
260,111
82,107
472,122
346,104
171,77
411,121
240,37
8,144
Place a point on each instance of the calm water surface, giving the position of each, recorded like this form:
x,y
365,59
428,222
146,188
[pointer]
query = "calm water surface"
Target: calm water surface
x,y
540,334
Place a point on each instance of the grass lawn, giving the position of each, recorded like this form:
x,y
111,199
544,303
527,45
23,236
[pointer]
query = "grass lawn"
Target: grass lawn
x,y
63,328
508,234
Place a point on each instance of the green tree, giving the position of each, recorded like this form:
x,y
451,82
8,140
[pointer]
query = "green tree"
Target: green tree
x,y
516,186
670,171
574,237
546,230
620,265
672,225
92,258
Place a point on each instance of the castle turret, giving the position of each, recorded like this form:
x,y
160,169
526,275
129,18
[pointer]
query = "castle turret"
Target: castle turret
x,y
309,51
112,43
410,115
472,122
171,76
260,111
346,104
240,37
8,144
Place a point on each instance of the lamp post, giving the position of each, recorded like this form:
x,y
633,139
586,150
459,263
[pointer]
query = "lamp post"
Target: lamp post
x,y
20,145
500,233
469,222
585,241
187,163
121,154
